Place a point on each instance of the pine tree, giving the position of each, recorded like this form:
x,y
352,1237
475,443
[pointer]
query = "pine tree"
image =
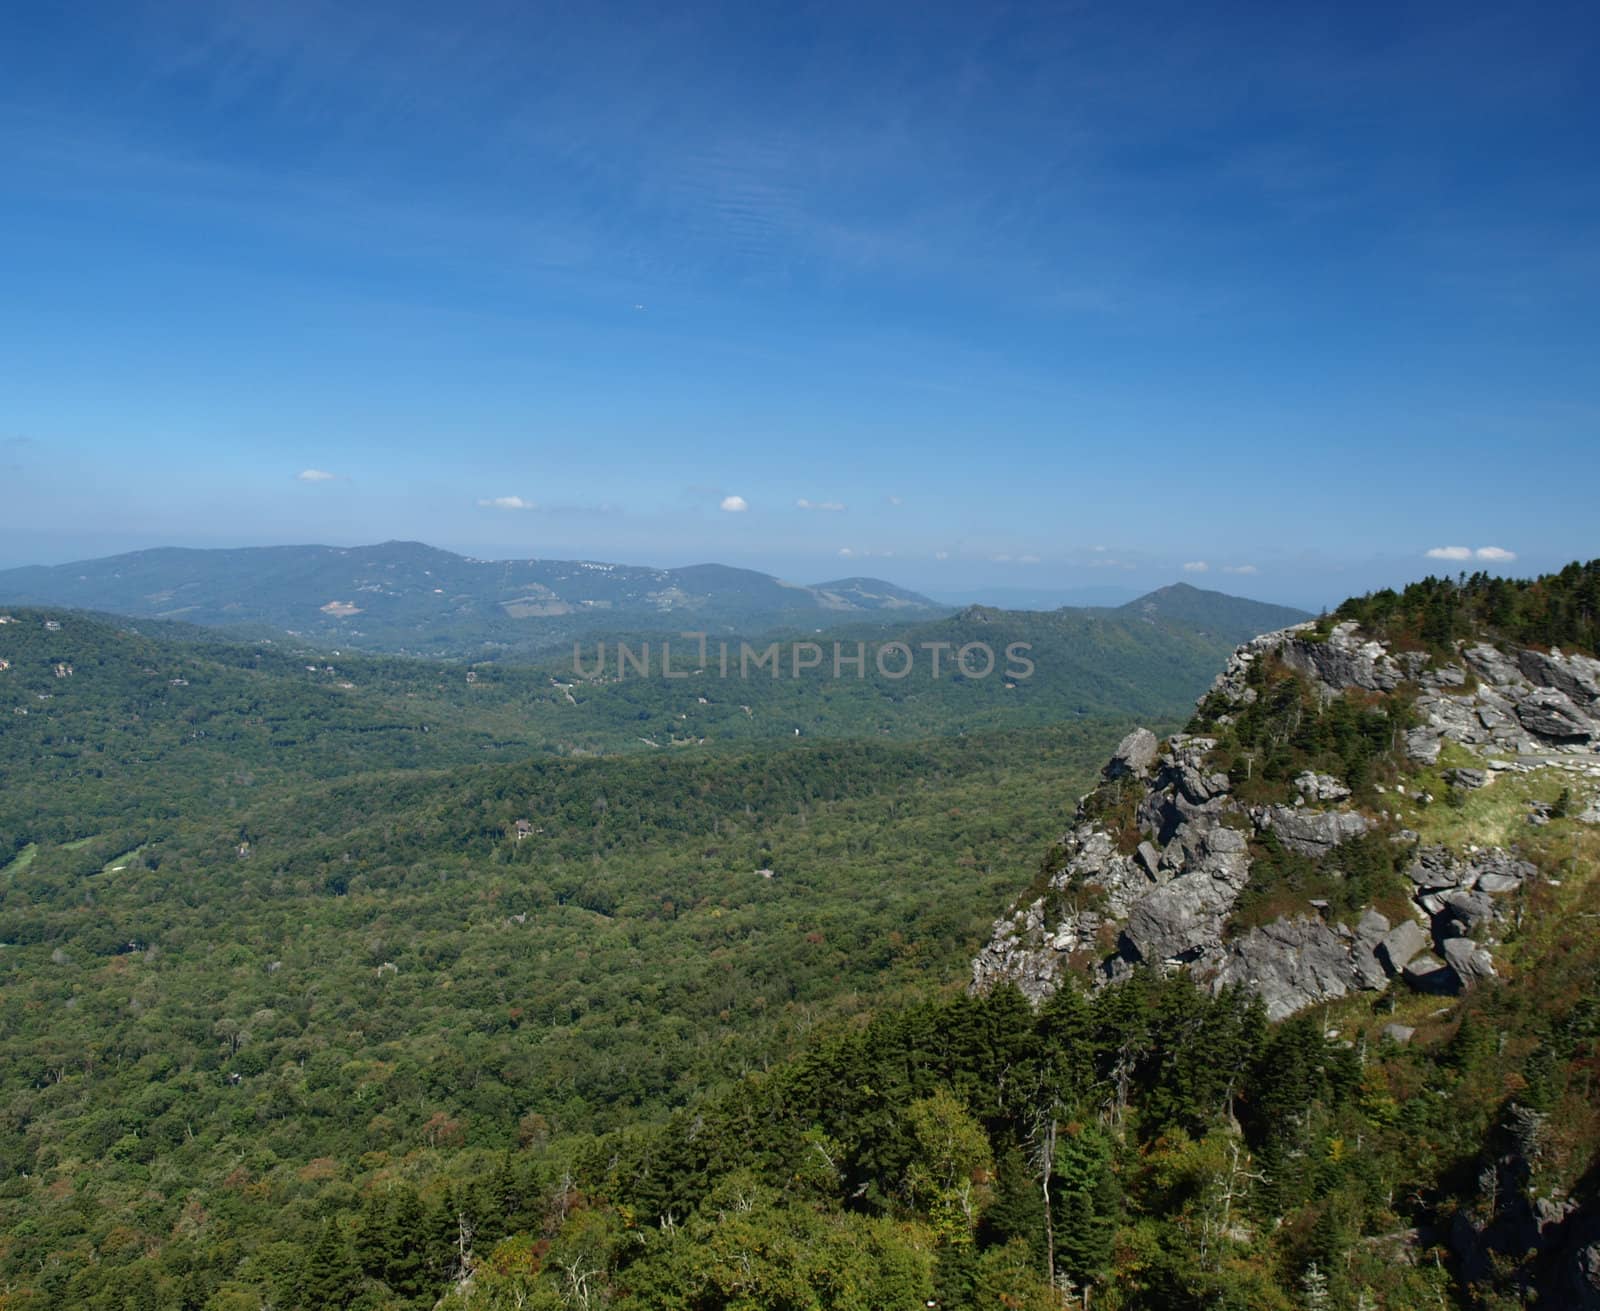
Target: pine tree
x,y
330,1277
1086,1202
1018,1207
1314,1289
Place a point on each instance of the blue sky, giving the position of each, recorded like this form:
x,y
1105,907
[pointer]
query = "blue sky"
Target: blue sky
x,y
1042,296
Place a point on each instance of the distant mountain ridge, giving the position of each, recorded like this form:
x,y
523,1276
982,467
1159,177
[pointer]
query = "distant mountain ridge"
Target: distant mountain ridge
x,y
1210,612
415,599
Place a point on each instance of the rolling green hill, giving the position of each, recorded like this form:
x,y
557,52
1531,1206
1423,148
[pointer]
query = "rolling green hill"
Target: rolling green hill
x,y
102,716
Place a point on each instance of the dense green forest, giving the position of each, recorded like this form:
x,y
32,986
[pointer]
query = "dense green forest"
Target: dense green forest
x,y
1560,609
106,721
391,996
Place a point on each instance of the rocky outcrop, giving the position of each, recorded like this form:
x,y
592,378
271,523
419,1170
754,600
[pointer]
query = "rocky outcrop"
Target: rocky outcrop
x,y
1134,755
1176,921
1290,964
1344,659
1310,832
1523,703
1163,896
1320,787
1550,713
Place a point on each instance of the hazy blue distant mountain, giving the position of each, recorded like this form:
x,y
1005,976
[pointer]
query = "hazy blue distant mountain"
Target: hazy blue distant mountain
x,y
1231,618
407,596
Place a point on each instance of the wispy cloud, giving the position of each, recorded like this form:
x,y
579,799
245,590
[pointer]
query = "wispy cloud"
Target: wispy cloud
x,y
507,503
1195,567
835,507
315,476
1496,554
735,504
1240,569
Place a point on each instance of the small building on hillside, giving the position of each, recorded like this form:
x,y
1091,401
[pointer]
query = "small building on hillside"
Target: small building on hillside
x,y
523,829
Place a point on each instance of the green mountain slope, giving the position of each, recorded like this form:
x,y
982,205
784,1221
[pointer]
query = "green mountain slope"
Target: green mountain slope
x,y
1231,618
154,711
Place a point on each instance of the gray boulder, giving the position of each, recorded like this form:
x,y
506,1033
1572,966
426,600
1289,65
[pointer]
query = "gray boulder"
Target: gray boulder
x,y
1399,1033
1397,948
1550,714
1181,918
1422,745
1463,913
1320,787
1134,755
1493,667
1436,867
1369,971
1469,961
1429,974
1469,779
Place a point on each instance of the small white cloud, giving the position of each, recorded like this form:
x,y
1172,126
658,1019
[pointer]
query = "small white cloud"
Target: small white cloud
x,y
847,552
1495,553
735,504
1099,550
832,506
941,555
1195,567
894,500
1027,559
507,503
315,476
1240,569
1002,558
1450,553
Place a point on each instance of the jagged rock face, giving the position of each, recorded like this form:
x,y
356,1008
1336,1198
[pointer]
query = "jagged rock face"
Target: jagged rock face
x,y
1550,713
1344,660
1290,964
1312,833
1181,918
1167,903
1527,703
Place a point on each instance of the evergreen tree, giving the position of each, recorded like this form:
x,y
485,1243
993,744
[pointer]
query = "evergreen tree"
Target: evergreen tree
x,y
1086,1201
330,1277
